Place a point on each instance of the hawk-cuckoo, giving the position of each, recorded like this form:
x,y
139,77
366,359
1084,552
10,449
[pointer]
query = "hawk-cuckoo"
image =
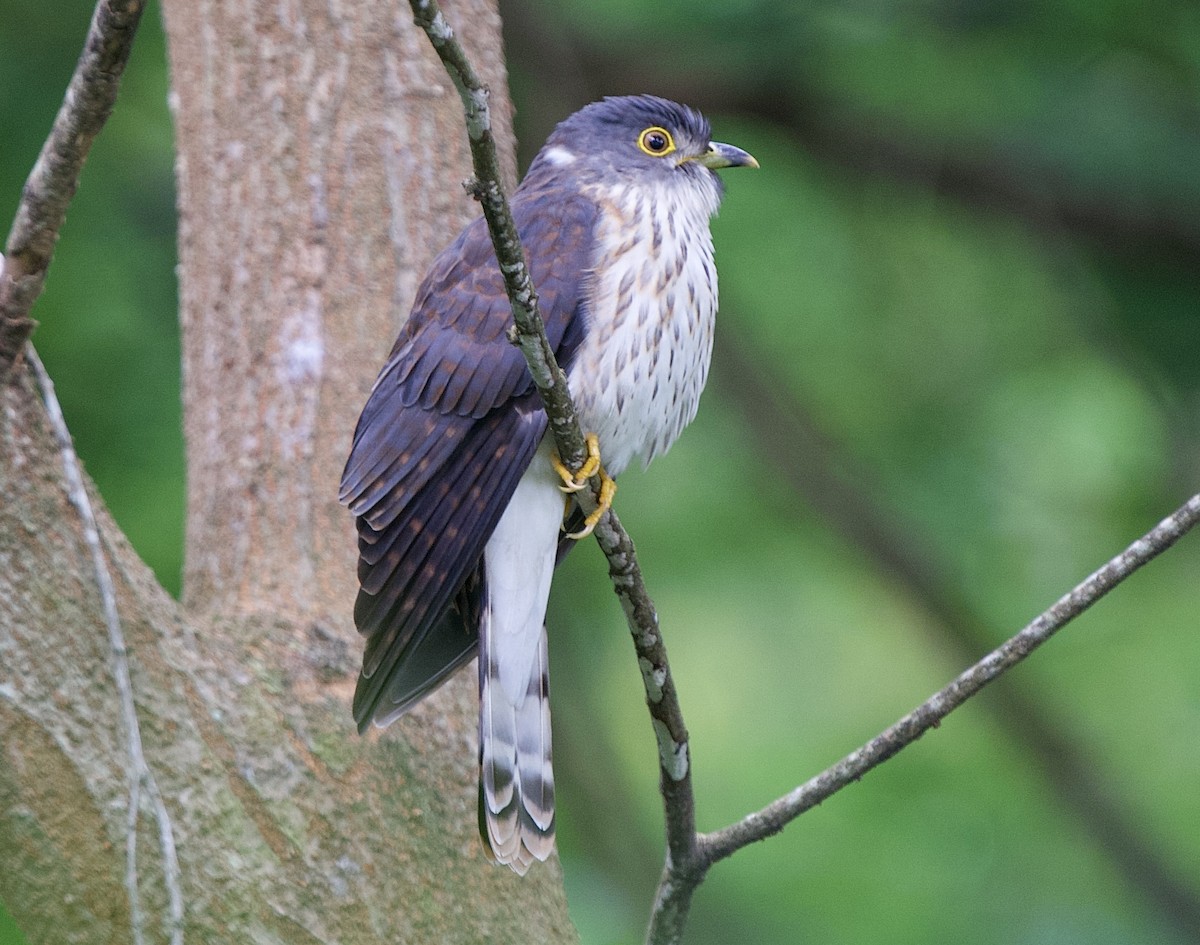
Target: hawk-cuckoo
x,y
456,489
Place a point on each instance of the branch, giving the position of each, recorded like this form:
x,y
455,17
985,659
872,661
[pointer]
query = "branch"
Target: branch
x,y
841,490
54,178
140,777
674,756
775,816
529,335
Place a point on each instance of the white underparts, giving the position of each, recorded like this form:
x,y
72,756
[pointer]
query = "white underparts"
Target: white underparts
x,y
652,307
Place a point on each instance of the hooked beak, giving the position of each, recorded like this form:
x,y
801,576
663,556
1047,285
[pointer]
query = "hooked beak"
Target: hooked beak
x,y
725,155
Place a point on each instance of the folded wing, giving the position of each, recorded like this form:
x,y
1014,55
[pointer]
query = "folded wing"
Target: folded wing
x,y
451,424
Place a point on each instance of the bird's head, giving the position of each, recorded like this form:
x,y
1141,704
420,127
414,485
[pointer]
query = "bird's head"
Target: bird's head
x,y
639,136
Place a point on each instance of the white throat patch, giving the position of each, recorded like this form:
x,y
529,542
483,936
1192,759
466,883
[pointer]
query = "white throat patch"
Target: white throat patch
x,y
558,156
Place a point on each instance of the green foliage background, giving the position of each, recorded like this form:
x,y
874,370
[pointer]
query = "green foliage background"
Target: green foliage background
x,y
971,259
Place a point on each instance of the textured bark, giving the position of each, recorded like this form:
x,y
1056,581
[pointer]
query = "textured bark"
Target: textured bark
x,y
320,153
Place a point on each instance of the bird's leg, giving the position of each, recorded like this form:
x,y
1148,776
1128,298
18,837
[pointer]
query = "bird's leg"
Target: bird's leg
x,y
574,481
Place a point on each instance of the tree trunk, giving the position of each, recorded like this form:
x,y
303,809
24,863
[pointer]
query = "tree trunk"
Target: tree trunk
x,y
320,150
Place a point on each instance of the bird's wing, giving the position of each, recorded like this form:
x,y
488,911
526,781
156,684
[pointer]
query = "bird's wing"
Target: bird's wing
x,y
451,424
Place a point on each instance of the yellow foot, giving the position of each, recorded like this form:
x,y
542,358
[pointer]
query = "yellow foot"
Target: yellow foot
x,y
608,489
574,481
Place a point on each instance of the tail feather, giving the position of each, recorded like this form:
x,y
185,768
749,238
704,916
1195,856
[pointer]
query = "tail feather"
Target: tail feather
x,y
516,778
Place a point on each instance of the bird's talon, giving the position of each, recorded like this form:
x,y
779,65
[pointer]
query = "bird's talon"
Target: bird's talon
x,y
575,480
570,487
608,489
592,463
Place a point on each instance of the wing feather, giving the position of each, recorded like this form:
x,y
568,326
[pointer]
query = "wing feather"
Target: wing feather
x,y
452,422
424,549
422,575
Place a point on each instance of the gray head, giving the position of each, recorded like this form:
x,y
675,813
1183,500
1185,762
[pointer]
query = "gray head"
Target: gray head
x,y
638,136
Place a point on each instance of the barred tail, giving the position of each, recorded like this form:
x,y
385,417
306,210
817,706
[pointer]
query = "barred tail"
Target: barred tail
x,y
516,782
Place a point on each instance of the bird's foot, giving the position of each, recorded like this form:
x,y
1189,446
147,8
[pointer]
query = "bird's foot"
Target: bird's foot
x,y
608,489
574,481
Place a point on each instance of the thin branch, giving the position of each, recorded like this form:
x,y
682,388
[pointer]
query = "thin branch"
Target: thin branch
x,y
674,754
54,178
530,335
140,776
775,816
823,472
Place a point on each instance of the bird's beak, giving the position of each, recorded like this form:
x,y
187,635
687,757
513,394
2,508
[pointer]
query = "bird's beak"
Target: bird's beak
x,y
725,155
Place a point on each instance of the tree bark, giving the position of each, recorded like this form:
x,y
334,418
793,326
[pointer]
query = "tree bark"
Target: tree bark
x,y
320,150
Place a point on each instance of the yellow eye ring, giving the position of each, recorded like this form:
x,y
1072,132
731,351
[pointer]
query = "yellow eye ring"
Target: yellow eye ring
x,y
656,141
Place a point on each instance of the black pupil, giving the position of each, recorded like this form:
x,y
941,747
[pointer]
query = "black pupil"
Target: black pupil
x,y
656,141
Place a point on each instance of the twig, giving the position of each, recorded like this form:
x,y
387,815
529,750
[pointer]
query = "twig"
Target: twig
x,y
674,754
772,818
817,468
52,182
140,776
678,886
48,192
530,335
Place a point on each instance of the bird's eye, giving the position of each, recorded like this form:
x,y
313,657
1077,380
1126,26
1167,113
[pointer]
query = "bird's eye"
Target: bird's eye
x,y
656,141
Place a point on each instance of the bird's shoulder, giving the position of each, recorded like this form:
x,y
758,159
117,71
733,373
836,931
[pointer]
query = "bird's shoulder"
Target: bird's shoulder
x,y
453,354
464,288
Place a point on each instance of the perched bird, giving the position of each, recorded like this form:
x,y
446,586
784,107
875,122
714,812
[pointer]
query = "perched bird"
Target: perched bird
x,y
456,488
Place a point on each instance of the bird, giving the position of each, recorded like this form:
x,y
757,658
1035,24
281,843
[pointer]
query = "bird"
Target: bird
x,y
462,507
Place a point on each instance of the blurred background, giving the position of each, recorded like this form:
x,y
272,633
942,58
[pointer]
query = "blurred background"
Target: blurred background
x,y
957,370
